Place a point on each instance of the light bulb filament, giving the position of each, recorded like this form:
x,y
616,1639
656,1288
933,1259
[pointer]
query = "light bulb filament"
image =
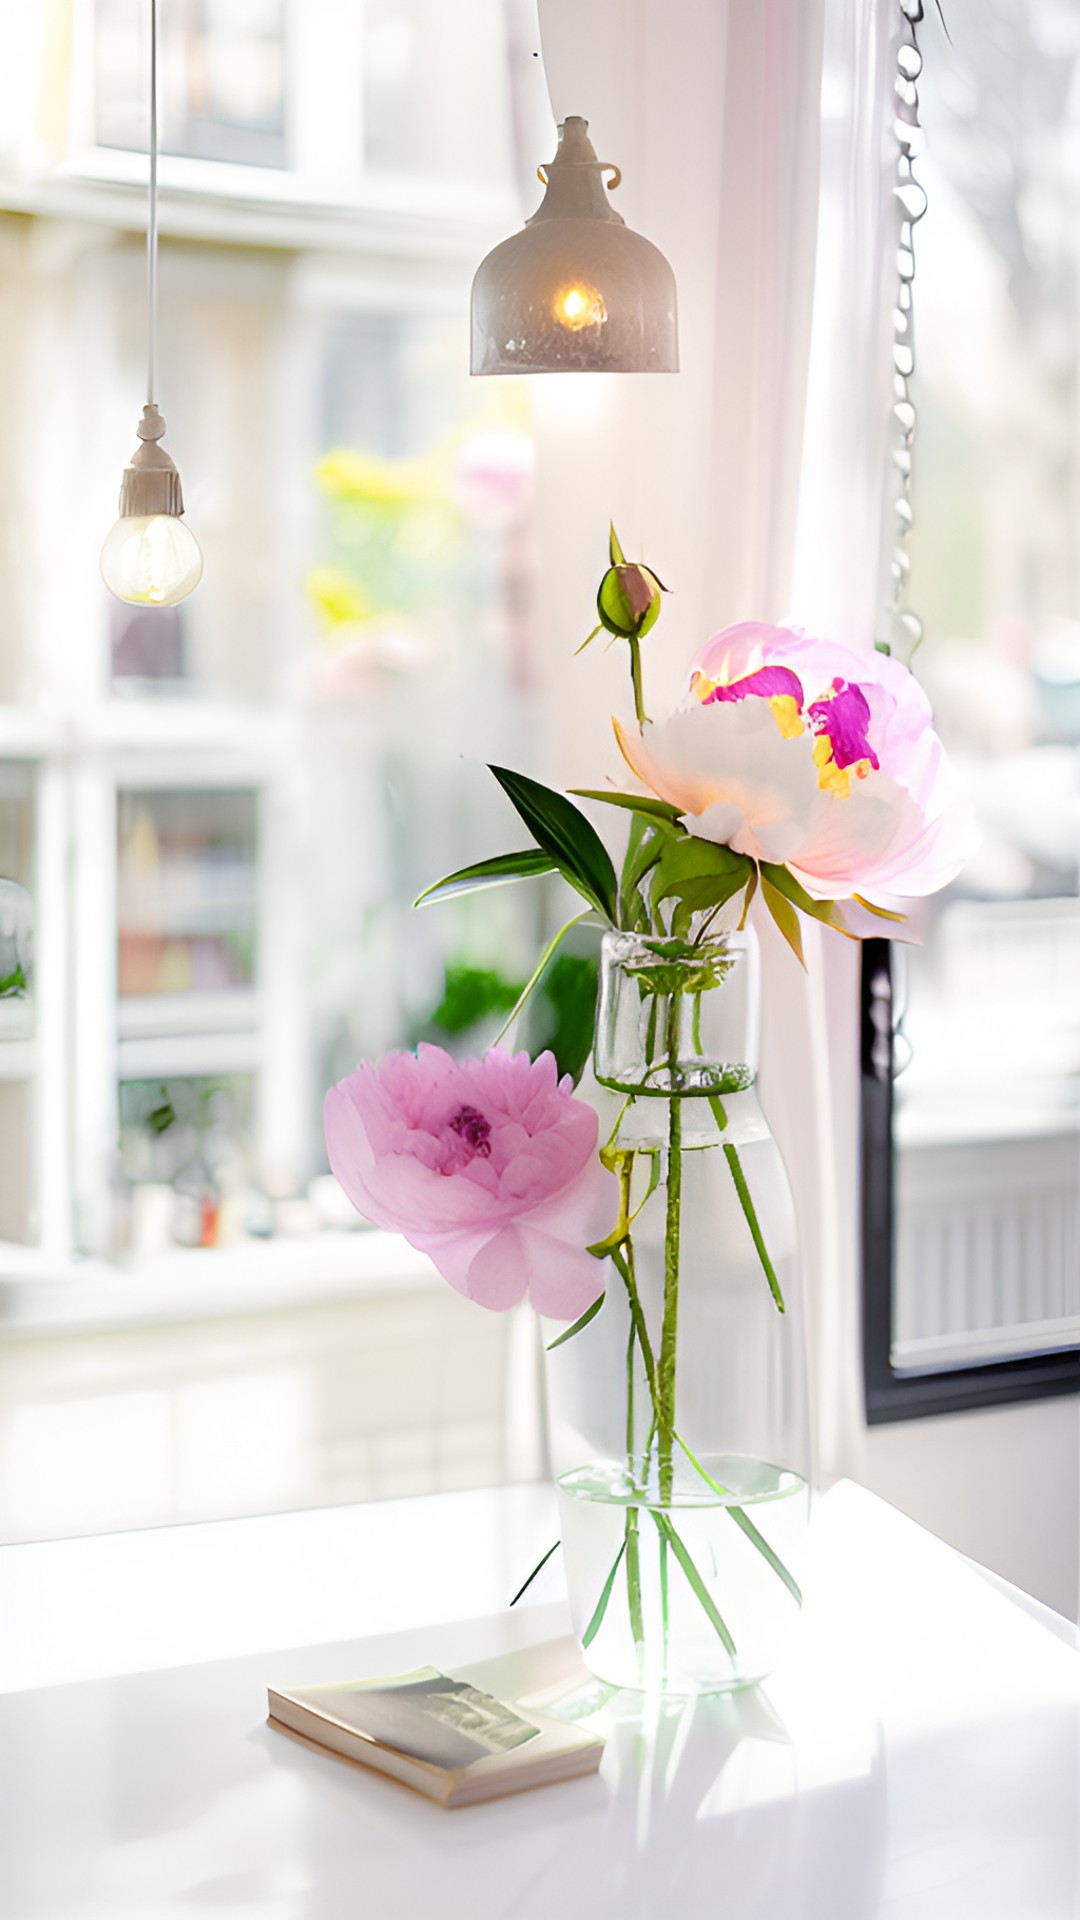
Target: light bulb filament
x,y
579,306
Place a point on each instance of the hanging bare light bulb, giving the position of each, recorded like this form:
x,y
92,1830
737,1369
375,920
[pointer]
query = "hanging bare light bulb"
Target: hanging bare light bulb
x,y
578,291
150,557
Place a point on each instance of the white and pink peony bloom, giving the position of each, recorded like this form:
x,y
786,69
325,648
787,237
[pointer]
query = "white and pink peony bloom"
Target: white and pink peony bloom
x,y
487,1165
800,752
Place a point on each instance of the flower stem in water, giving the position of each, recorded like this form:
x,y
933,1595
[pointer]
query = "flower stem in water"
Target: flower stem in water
x,y
633,1563
665,1378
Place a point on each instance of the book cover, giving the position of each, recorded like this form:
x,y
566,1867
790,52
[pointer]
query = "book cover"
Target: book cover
x,y
442,1735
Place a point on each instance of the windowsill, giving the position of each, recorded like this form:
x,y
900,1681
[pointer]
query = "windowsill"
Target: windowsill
x,y
40,1296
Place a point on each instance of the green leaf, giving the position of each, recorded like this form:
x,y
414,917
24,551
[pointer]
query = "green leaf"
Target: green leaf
x,y
533,981
758,1540
12,984
687,858
881,913
563,832
489,873
539,1567
590,1313
668,1533
750,1213
617,556
743,1520
589,636
596,1622
698,896
826,911
751,889
784,915
642,803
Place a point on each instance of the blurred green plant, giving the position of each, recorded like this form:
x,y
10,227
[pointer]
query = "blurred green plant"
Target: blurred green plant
x,y
562,1014
472,994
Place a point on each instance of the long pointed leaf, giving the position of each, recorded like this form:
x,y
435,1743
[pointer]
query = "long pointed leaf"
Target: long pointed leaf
x,y
597,1620
489,873
751,889
767,1553
743,1520
534,978
583,1319
562,830
668,1533
539,1568
635,802
750,1212
785,917
826,911
881,913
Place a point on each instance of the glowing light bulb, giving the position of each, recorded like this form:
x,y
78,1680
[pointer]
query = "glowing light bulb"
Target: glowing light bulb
x,y
151,559
576,307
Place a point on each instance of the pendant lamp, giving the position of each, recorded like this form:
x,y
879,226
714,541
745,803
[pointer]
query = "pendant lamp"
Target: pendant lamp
x,y
578,291
150,557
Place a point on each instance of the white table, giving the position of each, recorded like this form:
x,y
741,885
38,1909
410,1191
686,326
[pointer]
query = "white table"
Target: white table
x,y
919,1759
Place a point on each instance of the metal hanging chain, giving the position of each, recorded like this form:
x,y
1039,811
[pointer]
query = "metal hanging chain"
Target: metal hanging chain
x,y
904,629
151,226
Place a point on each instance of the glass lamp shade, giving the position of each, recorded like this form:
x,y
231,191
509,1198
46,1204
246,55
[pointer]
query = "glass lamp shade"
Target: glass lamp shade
x,y
151,559
578,291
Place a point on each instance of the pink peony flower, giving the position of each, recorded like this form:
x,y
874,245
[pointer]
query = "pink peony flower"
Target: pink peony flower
x,y
797,751
488,1166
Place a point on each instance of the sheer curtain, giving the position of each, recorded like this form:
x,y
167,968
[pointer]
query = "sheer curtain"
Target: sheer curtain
x,y
754,141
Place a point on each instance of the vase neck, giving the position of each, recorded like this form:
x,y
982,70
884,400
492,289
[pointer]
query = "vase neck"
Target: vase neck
x,y
676,1017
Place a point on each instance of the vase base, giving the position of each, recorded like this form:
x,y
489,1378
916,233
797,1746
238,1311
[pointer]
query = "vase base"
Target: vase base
x,y
698,1592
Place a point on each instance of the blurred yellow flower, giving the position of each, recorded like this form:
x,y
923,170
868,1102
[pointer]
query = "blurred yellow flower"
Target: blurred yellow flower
x,y
337,596
347,475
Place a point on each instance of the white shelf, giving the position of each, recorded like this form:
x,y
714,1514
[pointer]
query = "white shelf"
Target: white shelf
x,y
16,1019
39,1295
161,1016
189,1056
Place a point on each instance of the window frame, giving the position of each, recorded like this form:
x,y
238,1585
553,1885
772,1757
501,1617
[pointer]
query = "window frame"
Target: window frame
x,y
891,1394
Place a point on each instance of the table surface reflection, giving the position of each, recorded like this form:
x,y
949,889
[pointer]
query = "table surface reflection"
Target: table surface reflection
x,y
918,1756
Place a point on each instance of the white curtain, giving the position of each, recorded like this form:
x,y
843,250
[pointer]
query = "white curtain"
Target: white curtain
x,y
753,138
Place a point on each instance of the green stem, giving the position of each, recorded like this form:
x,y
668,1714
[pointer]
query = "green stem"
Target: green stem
x,y
668,1536
746,1525
664,1615
633,1562
665,1373
747,1205
623,1259
635,675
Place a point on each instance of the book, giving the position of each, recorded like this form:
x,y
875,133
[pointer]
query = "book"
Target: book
x,y
444,1736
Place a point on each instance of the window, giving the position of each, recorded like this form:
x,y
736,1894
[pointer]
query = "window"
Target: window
x,y
973,1162
214,818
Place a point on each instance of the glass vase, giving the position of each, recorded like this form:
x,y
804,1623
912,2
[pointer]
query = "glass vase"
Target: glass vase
x,y
678,1414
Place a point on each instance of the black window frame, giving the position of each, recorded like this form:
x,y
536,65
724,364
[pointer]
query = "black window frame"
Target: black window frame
x,y
889,1394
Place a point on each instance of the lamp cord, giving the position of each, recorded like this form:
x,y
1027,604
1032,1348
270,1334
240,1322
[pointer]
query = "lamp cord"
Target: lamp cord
x,y
151,227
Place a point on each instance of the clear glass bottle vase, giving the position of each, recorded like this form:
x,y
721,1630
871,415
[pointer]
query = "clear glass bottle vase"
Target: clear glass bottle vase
x,y
678,1415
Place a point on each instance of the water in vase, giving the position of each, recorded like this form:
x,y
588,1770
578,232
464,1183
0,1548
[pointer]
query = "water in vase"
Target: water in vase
x,y
696,1594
